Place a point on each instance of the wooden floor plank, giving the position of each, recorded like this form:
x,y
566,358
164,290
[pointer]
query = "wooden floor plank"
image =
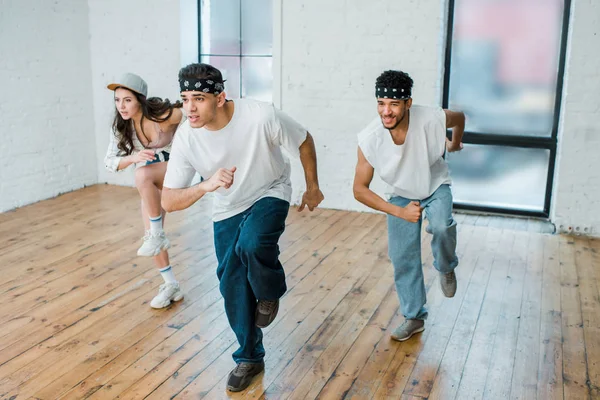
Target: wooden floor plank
x,y
550,384
525,370
75,321
498,382
574,358
590,312
474,374
452,364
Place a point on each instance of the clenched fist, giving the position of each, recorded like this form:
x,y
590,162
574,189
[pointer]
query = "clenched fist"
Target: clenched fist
x,y
222,178
412,212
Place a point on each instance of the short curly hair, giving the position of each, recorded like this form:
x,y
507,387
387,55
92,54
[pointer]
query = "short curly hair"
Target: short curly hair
x,y
200,71
395,79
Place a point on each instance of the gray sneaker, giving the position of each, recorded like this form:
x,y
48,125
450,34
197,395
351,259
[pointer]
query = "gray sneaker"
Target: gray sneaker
x,y
266,311
448,283
407,329
241,376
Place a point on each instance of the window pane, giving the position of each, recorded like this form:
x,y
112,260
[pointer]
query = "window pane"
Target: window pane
x,y
230,68
220,26
257,78
257,27
504,64
498,176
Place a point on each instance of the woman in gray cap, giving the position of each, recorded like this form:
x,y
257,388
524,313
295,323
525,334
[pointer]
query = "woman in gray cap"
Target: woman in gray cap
x,y
142,133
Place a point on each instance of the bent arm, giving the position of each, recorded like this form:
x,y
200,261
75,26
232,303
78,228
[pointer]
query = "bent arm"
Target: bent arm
x,y
308,157
180,199
362,181
456,121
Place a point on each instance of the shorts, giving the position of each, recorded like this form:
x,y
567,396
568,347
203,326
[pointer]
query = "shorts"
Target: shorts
x,y
160,156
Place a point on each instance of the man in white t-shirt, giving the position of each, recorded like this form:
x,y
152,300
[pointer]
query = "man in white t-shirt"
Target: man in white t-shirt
x,y
235,146
406,146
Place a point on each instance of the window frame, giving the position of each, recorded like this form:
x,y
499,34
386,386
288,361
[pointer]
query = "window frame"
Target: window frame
x,y
239,56
489,138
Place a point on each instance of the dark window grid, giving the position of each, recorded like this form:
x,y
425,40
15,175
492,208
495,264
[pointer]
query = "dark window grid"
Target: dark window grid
x,y
240,56
487,138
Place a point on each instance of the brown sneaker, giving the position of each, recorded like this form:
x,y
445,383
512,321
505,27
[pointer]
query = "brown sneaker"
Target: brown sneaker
x,y
266,311
407,329
241,376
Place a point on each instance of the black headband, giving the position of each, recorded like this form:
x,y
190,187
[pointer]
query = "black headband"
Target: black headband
x,y
201,85
392,93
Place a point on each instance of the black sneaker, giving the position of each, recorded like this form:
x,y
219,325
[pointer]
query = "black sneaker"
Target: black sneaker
x,y
242,374
266,311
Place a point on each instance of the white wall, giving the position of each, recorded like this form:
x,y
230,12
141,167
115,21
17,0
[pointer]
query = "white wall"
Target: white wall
x,y
57,112
332,54
139,36
577,183
47,129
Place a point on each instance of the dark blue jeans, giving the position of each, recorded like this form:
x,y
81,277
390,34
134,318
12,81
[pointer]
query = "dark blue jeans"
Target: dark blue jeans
x,y
249,269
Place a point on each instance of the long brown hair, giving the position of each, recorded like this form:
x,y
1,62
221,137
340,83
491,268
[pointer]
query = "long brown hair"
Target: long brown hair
x,y
152,108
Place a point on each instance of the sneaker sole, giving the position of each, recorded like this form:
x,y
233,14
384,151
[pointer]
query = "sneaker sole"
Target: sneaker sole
x,y
449,295
235,390
409,336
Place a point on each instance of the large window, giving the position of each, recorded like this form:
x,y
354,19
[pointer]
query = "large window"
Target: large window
x,y
504,67
236,36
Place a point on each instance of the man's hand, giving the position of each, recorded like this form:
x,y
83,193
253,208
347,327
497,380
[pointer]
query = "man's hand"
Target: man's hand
x,y
311,199
412,212
222,178
451,147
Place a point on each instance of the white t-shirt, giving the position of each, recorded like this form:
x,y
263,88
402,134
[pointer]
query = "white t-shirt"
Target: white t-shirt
x,y
251,142
415,169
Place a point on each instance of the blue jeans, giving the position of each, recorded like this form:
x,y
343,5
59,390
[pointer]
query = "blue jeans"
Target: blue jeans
x,y
247,250
405,249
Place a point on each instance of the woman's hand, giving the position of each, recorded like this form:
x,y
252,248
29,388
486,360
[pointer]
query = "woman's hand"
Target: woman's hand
x,y
142,156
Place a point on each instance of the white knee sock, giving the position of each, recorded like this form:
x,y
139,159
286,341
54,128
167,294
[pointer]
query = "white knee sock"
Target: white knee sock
x,y
156,224
167,274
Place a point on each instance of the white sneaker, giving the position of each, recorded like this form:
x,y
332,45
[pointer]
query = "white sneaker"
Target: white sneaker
x,y
153,244
167,293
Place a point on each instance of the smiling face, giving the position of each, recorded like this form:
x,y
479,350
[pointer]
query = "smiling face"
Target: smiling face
x,y
126,103
392,111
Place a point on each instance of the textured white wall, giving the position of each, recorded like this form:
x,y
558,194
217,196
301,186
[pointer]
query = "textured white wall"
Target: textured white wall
x,y
57,111
46,130
332,54
136,36
577,184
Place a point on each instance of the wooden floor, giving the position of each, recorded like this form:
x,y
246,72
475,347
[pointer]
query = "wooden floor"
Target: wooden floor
x,y
75,320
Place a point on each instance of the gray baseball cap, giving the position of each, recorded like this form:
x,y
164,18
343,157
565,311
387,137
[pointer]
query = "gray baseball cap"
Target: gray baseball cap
x,y
132,82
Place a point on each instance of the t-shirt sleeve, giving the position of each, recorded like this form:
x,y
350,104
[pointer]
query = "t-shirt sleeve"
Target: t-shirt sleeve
x,y
436,128
366,142
439,120
286,132
180,172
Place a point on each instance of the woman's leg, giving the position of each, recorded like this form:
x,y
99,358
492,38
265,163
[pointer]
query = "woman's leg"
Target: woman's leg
x,y
162,259
149,180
